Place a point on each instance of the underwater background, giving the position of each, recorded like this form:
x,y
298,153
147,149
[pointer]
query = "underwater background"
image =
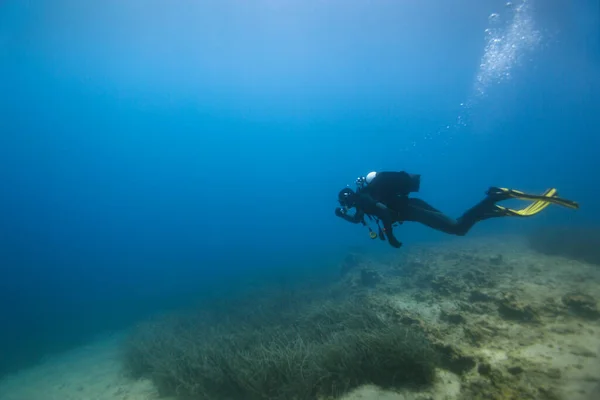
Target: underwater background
x,y
157,154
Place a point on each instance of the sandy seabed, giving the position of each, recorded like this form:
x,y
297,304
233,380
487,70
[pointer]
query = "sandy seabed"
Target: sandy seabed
x,y
526,325
87,373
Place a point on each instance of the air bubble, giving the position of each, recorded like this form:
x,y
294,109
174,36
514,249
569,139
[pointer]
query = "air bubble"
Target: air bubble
x,y
505,46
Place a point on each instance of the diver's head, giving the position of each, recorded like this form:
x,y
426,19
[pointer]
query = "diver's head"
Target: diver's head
x,y
346,197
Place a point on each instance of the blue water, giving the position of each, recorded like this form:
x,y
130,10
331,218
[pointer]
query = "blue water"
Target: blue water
x,y
155,153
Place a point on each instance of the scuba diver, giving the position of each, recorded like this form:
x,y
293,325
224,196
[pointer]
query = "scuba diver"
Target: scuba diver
x,y
384,196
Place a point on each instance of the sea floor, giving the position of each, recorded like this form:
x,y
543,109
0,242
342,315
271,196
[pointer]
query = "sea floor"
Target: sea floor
x,y
517,325
92,372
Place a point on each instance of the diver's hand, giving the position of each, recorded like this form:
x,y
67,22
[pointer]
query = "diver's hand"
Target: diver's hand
x,y
340,212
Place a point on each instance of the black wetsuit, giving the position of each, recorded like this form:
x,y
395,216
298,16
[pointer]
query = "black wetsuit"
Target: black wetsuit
x,y
392,189
366,205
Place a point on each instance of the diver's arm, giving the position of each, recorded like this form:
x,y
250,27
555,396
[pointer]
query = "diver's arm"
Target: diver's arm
x,y
357,218
368,203
383,212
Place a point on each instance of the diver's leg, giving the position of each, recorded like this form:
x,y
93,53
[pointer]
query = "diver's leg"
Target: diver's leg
x,y
389,232
417,210
483,210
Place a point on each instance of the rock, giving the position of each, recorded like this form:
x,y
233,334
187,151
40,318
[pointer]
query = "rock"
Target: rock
x,y
477,278
515,370
453,318
535,269
583,352
548,393
478,295
578,243
423,280
551,308
591,378
450,256
421,297
496,259
497,386
446,286
511,309
581,304
484,308
554,373
465,306
455,361
351,261
416,265
563,330
369,278
474,335
484,369
410,268
480,331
